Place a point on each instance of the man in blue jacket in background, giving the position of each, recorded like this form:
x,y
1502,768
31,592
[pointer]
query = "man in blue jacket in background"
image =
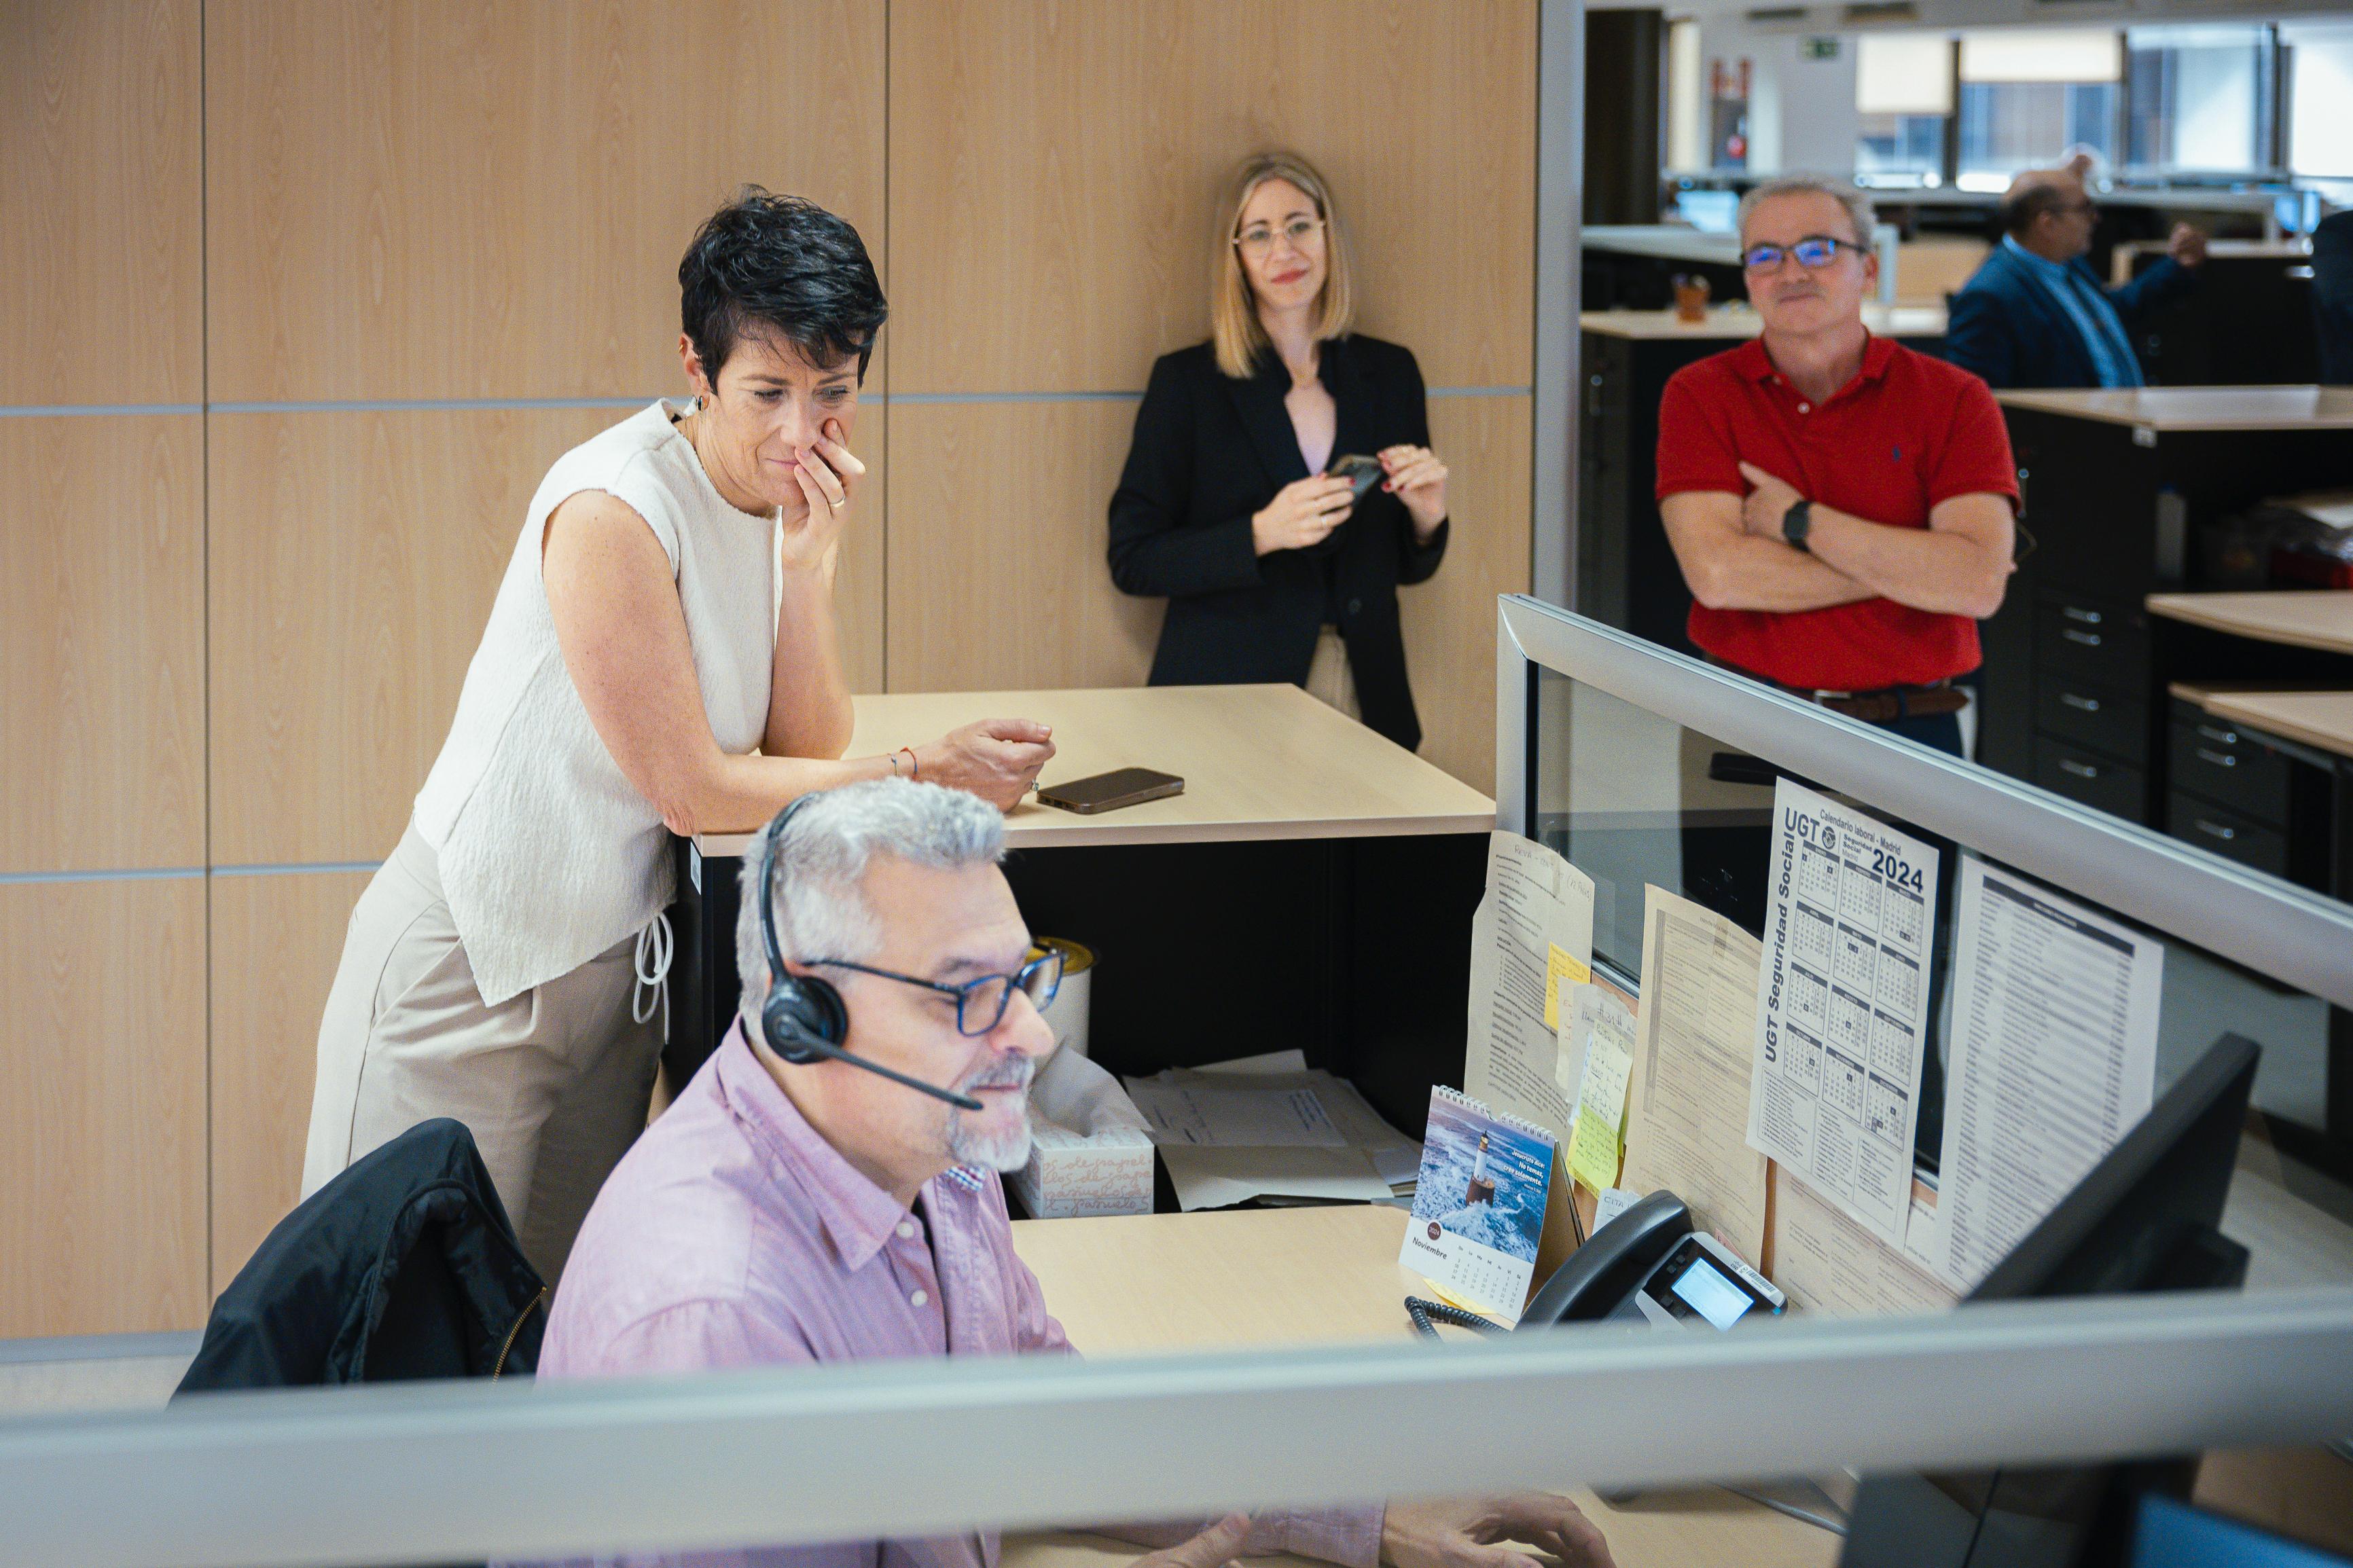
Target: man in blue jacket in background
x,y
2034,315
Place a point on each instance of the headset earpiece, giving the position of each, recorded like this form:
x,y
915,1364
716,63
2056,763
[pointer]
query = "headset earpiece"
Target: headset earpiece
x,y
804,1017
802,1011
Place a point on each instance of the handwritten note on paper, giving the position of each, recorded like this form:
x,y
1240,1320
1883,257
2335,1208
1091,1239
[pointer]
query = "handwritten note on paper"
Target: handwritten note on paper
x,y
1560,970
1825,1262
1536,904
1601,1107
1687,1116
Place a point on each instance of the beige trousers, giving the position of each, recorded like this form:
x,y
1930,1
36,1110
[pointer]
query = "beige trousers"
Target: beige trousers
x,y
554,1083
1329,679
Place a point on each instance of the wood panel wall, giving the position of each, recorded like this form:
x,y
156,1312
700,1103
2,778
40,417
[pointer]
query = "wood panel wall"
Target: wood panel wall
x,y
314,294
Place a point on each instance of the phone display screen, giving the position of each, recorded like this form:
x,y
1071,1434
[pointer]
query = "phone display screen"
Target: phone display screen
x,y
1706,1291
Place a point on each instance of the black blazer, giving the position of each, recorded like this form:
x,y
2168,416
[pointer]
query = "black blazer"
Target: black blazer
x,y
1208,452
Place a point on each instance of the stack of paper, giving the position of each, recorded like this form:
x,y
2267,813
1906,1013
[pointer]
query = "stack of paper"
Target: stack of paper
x,y
1269,1127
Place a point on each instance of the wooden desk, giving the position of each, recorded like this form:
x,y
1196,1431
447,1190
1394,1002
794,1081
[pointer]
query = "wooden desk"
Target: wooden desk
x,y
2182,408
1286,1277
1258,761
2121,490
2319,718
1306,856
2319,618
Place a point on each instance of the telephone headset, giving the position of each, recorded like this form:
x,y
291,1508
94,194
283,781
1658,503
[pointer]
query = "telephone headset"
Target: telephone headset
x,y
804,1019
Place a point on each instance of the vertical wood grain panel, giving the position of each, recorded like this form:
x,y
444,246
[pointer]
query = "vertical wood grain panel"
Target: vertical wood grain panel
x,y
411,199
275,943
1054,171
1450,621
998,577
354,558
102,642
102,1107
100,196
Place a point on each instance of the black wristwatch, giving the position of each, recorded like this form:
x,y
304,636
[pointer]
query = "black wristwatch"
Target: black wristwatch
x,y
1796,522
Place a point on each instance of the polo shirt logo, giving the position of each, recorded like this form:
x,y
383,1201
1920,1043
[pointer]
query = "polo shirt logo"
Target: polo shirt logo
x,y
1896,453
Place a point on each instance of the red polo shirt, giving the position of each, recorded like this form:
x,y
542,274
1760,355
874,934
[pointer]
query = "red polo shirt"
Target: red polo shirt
x,y
1905,434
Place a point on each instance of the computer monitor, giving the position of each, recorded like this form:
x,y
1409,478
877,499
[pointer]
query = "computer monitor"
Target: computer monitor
x,y
2170,1534
2146,1217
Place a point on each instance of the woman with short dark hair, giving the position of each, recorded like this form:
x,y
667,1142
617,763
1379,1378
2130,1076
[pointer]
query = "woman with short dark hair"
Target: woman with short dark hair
x,y
1276,566
647,669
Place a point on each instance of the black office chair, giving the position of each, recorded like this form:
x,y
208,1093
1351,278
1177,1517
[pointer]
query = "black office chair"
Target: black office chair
x,y
402,1266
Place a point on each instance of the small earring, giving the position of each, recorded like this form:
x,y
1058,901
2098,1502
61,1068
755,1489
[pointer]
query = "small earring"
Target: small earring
x,y
699,401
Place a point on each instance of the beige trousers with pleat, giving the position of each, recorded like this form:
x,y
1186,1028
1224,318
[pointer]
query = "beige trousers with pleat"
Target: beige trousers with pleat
x,y
552,1083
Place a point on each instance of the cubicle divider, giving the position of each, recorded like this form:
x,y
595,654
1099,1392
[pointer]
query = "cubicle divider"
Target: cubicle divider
x,y
1637,762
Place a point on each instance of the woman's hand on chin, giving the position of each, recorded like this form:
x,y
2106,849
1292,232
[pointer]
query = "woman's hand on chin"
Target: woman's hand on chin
x,y
811,524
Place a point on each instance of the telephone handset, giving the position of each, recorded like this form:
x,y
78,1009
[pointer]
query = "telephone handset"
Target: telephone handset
x,y
1648,1265
1604,1271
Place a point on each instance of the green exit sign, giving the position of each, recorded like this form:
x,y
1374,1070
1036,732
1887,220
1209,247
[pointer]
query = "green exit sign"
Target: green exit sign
x,y
1822,49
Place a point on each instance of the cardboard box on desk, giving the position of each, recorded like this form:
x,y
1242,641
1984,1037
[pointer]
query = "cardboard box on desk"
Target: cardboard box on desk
x,y
1092,1148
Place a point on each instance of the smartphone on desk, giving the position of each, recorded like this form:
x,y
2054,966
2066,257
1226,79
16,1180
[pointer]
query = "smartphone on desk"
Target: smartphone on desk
x,y
1109,792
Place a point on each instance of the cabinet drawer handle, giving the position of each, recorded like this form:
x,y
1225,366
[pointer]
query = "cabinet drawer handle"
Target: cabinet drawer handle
x,y
2087,704
2228,736
2216,830
2220,758
2089,639
2081,770
2089,617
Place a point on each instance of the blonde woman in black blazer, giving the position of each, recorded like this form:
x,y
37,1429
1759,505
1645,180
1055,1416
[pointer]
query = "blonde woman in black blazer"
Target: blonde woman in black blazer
x,y
1225,507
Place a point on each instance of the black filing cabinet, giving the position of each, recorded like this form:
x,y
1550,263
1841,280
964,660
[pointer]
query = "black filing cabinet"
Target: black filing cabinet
x,y
2249,796
2075,690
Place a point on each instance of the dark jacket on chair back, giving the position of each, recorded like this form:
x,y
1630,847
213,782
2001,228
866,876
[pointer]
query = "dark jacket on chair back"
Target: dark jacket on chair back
x,y
402,1266
1208,452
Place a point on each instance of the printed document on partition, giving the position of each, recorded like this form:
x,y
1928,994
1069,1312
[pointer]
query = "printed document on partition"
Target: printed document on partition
x,y
1842,1006
1828,1263
1687,1110
2053,1058
1531,937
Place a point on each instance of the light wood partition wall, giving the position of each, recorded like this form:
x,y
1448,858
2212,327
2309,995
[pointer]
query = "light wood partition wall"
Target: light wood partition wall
x,y
101,669
1054,175
313,294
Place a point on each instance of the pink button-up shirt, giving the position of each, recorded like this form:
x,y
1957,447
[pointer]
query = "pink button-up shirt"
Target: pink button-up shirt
x,y
733,1234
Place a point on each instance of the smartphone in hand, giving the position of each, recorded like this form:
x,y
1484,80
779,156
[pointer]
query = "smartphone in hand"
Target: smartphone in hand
x,y
1361,472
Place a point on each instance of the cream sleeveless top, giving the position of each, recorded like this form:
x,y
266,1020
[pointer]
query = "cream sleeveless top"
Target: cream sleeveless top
x,y
548,855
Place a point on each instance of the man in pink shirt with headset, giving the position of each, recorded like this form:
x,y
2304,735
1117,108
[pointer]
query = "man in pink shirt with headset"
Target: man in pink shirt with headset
x,y
827,1187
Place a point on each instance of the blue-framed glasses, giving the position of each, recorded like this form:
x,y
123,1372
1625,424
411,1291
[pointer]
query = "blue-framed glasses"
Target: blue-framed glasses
x,y
1814,251
980,1003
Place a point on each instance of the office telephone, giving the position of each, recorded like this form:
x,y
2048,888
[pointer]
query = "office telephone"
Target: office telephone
x,y
1648,1265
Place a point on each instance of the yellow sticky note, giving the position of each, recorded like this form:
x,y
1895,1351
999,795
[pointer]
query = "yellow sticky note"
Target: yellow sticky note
x,y
1594,1142
1560,966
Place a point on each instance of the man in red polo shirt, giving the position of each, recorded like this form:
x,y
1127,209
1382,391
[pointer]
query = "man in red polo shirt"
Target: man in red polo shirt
x,y
1843,508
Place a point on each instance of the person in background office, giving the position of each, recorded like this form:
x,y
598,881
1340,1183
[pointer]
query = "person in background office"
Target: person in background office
x,y
2034,314
2332,296
498,968
1226,508
1841,506
790,1214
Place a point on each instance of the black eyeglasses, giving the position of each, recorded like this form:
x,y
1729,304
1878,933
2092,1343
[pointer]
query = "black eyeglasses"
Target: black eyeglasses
x,y
980,1003
1816,251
